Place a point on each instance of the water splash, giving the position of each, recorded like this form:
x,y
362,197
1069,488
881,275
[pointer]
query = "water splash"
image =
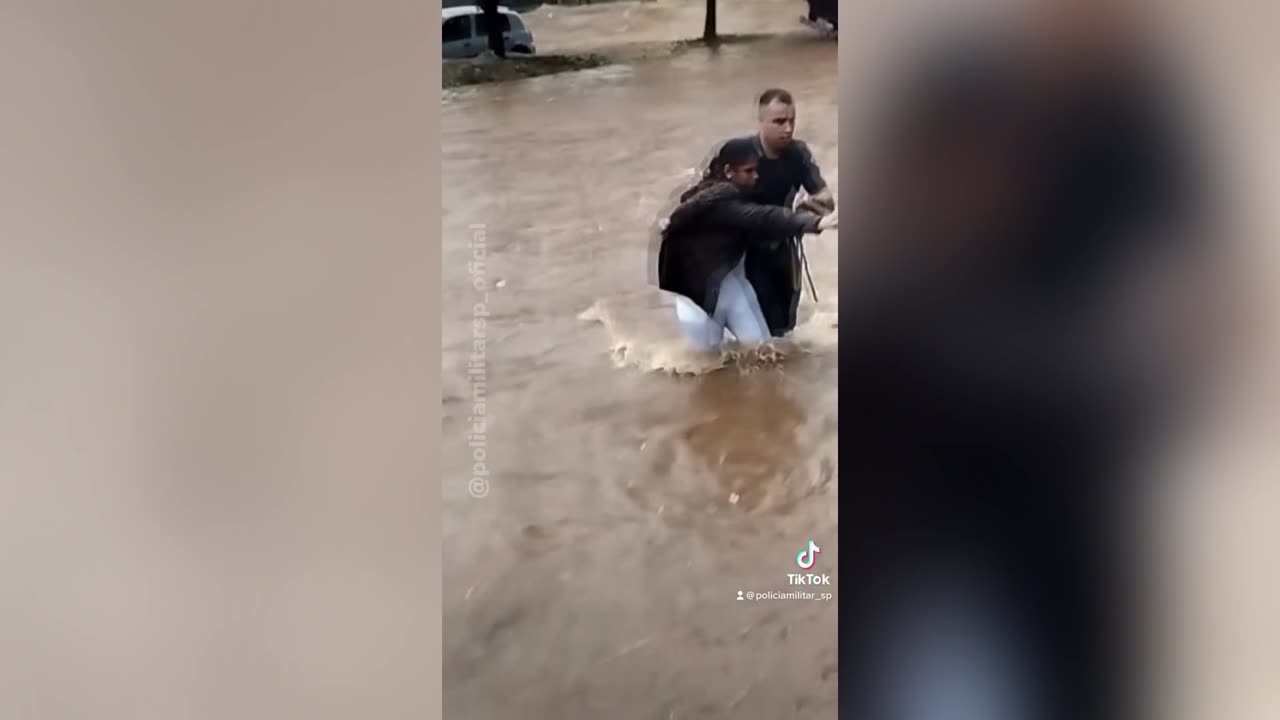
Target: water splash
x,y
643,335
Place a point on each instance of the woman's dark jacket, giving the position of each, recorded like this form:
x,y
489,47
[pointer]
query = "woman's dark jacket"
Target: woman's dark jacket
x,y
710,232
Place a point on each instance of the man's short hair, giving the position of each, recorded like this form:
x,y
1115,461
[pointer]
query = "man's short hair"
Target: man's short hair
x,y
775,94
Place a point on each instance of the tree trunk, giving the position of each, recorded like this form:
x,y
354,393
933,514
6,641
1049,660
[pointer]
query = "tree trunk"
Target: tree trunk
x,y
709,28
492,18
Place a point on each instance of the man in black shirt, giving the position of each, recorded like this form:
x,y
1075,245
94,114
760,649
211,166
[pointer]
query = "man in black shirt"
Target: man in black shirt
x,y
785,166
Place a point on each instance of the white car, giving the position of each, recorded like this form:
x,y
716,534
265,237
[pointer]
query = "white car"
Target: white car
x,y
464,33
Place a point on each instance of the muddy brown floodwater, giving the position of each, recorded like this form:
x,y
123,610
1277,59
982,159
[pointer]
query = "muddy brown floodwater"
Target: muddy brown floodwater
x,y
625,505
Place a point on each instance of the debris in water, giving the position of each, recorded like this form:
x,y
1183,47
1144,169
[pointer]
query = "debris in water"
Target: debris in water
x,y
629,648
733,498
741,696
500,284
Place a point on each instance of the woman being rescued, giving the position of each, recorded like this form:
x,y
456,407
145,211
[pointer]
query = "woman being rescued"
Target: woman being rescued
x,y
704,243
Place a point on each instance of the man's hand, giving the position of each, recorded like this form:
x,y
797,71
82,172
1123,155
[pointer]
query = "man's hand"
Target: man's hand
x,y
821,204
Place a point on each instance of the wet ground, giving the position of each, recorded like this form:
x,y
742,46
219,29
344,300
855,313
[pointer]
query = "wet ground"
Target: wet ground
x,y
557,28
624,505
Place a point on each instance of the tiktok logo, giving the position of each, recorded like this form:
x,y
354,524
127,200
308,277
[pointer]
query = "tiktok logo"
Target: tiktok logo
x,y
807,558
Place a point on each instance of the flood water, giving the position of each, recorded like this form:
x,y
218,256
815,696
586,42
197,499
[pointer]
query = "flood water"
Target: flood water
x,y
626,504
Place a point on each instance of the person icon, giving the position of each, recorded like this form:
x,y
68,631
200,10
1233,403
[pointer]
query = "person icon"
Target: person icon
x,y
739,594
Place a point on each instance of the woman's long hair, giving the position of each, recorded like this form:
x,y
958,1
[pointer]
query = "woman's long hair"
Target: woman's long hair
x,y
732,154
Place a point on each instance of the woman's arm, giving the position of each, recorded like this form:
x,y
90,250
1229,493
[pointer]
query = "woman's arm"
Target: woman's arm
x,y
769,220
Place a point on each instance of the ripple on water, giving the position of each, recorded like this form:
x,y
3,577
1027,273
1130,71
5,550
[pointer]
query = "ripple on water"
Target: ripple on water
x,y
743,444
741,448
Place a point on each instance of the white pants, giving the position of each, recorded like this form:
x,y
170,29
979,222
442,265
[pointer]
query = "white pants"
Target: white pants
x,y
737,310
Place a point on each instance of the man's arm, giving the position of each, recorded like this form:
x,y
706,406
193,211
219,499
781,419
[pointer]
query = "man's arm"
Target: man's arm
x,y
823,203
820,200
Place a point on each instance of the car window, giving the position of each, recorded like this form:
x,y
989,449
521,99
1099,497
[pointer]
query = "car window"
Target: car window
x,y
516,24
455,28
482,24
